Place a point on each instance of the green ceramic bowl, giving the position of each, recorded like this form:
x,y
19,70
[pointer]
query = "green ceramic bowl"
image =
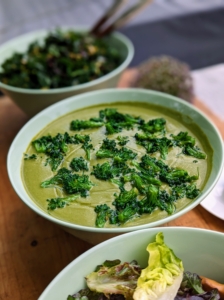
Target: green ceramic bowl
x,y
32,101
37,123
201,252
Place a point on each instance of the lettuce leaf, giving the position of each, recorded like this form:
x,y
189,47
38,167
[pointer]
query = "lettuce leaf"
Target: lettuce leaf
x,y
191,289
116,279
162,277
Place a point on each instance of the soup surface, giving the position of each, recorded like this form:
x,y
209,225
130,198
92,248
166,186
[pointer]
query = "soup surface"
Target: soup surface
x,y
82,210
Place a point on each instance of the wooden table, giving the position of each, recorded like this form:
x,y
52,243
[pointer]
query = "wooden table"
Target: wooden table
x,y
33,250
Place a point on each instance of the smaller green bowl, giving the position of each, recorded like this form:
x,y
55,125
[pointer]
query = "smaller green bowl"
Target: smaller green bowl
x,y
32,101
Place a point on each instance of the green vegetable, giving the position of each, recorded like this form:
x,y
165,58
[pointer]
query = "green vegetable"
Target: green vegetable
x,y
64,58
56,147
69,182
163,275
79,164
102,214
118,279
60,202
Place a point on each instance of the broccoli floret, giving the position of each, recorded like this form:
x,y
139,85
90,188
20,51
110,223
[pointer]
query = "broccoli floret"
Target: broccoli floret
x,y
107,171
124,154
150,179
112,128
194,151
183,138
62,175
104,153
166,202
81,124
122,140
102,214
192,191
155,125
162,145
149,162
87,147
69,182
185,190
79,164
176,176
56,147
127,213
115,121
139,183
60,202
80,139
144,136
125,197
103,172
109,145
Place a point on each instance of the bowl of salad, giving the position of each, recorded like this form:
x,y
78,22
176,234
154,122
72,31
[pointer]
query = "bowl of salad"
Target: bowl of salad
x,y
40,68
158,263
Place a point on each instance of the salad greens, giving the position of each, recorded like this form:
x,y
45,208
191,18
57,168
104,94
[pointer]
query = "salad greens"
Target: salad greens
x,y
62,59
163,279
163,275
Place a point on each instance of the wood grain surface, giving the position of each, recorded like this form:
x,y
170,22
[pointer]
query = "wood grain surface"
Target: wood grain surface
x,y
33,250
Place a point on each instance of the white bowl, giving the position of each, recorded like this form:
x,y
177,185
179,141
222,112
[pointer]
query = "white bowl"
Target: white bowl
x,y
37,123
200,250
31,101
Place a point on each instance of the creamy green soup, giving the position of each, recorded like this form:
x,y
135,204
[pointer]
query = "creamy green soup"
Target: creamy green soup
x,y
81,211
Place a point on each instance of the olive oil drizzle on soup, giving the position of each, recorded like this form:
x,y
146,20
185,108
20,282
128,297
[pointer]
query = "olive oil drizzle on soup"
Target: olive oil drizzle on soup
x,y
81,211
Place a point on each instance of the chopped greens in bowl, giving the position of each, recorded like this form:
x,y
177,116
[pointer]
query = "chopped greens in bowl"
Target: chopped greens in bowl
x,y
61,59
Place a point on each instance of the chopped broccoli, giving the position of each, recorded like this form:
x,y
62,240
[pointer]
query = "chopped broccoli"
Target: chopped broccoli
x,y
194,151
183,138
139,183
102,214
124,154
125,197
107,171
104,153
60,202
87,147
81,124
155,125
122,140
176,176
69,182
103,172
144,136
157,144
79,164
56,147
127,213
109,144
150,162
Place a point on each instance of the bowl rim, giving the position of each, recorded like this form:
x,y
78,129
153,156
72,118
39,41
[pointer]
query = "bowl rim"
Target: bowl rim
x,y
117,35
78,98
109,242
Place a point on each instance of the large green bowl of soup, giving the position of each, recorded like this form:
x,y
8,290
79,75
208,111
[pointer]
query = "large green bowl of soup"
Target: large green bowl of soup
x,y
40,68
113,161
